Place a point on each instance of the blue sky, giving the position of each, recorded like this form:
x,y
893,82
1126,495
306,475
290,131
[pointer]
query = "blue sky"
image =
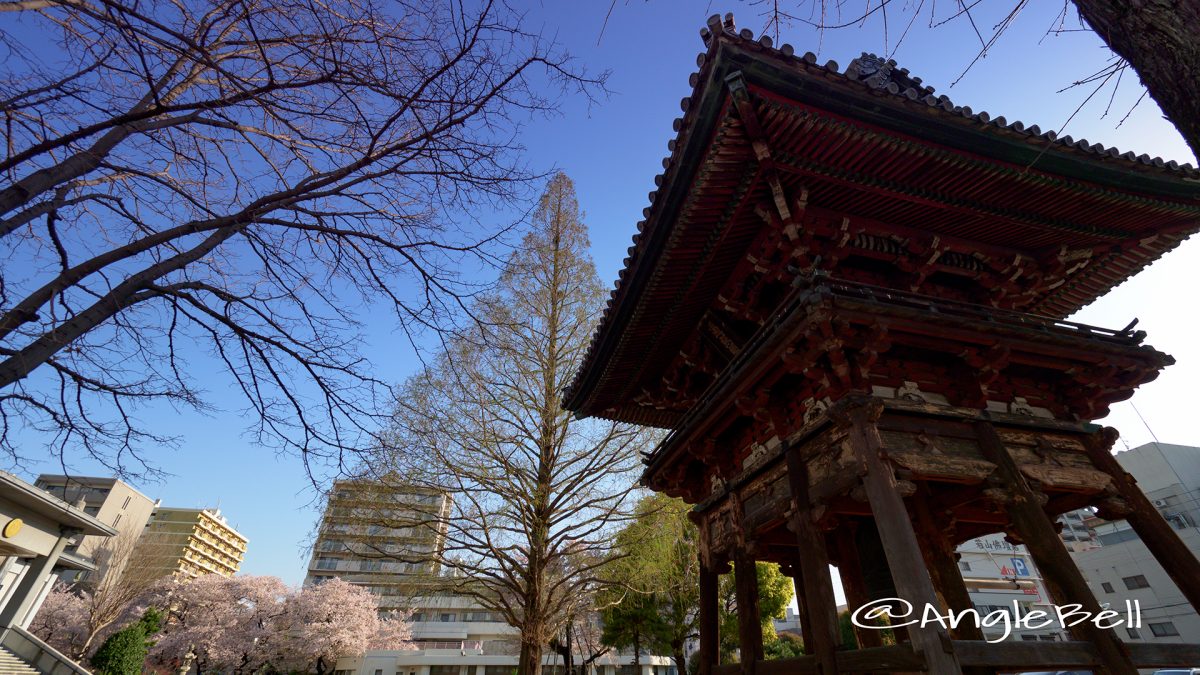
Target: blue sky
x,y
612,149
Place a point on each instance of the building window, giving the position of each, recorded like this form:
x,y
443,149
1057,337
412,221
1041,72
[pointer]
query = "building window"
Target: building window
x,y
1029,638
91,510
447,618
443,670
326,563
1164,629
499,670
1107,587
117,520
1136,581
964,565
1133,633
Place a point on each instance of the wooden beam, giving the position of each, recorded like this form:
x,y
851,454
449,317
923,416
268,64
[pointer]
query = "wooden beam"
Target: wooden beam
x,y
1070,654
913,584
814,563
1049,553
1170,552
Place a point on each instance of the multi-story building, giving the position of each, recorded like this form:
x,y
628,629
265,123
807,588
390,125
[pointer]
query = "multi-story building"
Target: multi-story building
x,y
1077,532
112,502
1122,569
189,543
381,536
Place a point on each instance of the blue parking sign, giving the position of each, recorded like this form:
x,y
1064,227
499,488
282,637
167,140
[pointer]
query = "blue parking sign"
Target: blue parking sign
x,y
1019,567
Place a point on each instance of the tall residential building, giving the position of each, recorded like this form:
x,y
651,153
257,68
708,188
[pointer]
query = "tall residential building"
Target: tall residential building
x,y
379,535
112,502
1122,568
189,543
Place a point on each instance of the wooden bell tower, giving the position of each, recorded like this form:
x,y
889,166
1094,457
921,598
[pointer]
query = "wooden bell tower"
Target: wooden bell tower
x,y
847,303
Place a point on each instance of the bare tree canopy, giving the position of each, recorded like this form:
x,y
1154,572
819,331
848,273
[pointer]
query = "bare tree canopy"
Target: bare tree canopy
x,y
236,181
538,494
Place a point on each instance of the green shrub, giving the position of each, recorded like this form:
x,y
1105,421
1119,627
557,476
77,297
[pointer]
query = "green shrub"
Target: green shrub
x,y
124,652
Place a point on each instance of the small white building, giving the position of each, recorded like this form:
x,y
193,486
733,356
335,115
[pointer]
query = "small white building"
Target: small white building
x,y
999,575
454,636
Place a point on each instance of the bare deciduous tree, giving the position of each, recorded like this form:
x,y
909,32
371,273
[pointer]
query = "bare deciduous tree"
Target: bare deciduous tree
x,y
537,492
110,592
227,185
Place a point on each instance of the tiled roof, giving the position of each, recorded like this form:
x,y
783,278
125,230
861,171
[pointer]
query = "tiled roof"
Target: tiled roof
x,y
876,77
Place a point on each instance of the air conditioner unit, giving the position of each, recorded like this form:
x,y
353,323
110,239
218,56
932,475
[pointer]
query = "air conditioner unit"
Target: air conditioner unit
x,y
1160,502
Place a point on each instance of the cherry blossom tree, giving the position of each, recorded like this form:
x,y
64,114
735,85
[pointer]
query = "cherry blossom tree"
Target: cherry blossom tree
x,y
336,618
250,623
62,621
218,623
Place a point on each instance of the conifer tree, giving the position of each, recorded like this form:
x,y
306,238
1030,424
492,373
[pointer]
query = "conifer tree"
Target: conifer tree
x,y
537,492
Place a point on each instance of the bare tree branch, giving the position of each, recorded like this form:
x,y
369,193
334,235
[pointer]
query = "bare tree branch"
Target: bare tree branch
x,y
235,182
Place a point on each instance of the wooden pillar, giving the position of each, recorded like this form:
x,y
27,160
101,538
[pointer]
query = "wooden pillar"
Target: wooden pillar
x,y
1176,559
943,568
1049,553
750,636
708,619
797,576
850,569
896,531
814,564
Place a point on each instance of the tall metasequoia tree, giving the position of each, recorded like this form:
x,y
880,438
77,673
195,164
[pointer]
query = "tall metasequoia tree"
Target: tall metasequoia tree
x,y
189,187
537,492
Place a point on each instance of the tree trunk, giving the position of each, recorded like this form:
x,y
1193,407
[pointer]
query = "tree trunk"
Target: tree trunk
x,y
1161,41
678,657
637,651
530,662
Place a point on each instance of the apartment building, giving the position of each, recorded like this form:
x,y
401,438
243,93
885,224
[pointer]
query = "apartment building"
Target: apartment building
x,y
1122,569
112,502
1077,532
380,535
189,543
